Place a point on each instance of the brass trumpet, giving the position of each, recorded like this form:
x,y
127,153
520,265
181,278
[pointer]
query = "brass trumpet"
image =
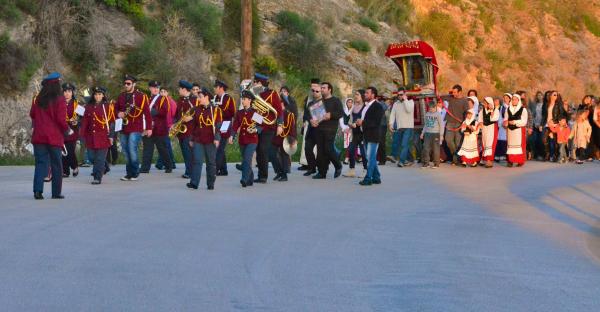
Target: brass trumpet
x,y
179,126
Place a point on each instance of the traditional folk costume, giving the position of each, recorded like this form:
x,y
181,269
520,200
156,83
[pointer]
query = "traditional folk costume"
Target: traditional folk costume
x,y
516,152
205,131
97,128
501,145
488,123
469,151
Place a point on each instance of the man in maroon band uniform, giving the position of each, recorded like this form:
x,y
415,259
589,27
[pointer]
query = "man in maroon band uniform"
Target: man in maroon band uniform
x,y
227,106
160,110
265,138
133,106
186,104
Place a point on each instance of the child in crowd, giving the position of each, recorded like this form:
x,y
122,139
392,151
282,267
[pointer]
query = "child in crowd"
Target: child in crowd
x,y
432,135
562,132
571,147
469,150
581,134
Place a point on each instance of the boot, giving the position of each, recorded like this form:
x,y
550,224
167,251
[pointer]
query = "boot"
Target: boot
x,y
351,173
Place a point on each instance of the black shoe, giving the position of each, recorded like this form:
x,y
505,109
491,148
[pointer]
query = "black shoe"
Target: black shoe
x,y
106,170
58,196
185,176
303,168
192,186
365,183
243,183
96,182
337,173
144,171
168,170
309,173
261,181
222,173
210,187
277,177
238,167
318,176
509,164
75,172
159,167
283,178
376,182
38,195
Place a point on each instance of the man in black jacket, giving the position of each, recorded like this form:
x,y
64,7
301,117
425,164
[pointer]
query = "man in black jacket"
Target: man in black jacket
x,y
310,140
370,122
326,131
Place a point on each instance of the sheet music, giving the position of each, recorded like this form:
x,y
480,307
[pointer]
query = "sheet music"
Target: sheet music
x,y
118,124
258,118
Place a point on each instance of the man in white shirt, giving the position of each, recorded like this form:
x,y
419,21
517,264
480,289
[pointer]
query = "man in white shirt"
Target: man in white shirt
x,y
402,124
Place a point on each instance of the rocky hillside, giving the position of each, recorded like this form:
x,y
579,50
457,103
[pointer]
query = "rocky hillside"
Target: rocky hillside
x,y
493,46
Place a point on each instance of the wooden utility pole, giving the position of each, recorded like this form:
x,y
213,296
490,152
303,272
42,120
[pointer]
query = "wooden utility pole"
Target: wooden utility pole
x,y
246,29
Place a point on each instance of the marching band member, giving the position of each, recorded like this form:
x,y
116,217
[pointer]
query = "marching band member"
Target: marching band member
x,y
469,151
160,111
488,123
265,138
132,106
227,105
280,159
515,121
173,107
248,136
69,161
185,106
47,113
206,136
97,127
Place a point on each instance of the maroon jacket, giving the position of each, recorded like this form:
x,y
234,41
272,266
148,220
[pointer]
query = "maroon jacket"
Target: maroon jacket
x,y
227,106
272,98
71,115
96,126
241,122
139,117
49,124
289,128
183,105
160,116
206,123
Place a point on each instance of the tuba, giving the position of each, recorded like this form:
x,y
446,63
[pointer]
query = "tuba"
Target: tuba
x,y
263,108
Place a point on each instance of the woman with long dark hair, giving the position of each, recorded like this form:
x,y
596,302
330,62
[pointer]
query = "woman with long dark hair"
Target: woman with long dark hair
x,y
357,136
47,113
69,161
551,113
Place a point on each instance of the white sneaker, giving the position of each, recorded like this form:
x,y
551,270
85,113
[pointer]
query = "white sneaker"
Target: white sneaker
x,y
126,178
133,179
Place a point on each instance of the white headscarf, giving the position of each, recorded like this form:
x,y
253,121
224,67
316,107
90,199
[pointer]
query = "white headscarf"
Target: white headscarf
x,y
475,105
468,121
513,109
347,110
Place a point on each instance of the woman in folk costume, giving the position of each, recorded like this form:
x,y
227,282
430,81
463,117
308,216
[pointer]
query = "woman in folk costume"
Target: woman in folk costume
x,y
344,126
500,153
469,151
515,122
488,123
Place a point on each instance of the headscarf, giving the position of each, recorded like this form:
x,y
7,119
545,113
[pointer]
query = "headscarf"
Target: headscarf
x,y
475,104
514,109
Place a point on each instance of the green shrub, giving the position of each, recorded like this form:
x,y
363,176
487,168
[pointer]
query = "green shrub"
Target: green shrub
x,y
9,12
204,17
232,16
130,7
393,12
360,45
18,63
592,24
440,28
519,4
369,23
266,64
148,60
297,46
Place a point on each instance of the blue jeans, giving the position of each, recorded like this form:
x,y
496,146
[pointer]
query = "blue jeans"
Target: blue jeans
x,y
395,145
47,156
159,161
247,152
186,152
99,161
373,174
204,153
404,138
129,144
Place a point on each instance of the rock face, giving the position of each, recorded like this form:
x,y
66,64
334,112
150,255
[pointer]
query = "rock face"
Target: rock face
x,y
524,50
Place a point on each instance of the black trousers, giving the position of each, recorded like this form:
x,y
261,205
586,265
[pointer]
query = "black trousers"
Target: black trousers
x,y
309,145
381,157
221,157
70,161
161,145
325,150
113,153
262,153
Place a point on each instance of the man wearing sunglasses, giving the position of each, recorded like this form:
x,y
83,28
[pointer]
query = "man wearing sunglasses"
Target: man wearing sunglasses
x,y
310,141
133,105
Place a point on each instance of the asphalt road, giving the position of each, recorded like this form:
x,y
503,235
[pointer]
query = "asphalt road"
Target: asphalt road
x,y
453,239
